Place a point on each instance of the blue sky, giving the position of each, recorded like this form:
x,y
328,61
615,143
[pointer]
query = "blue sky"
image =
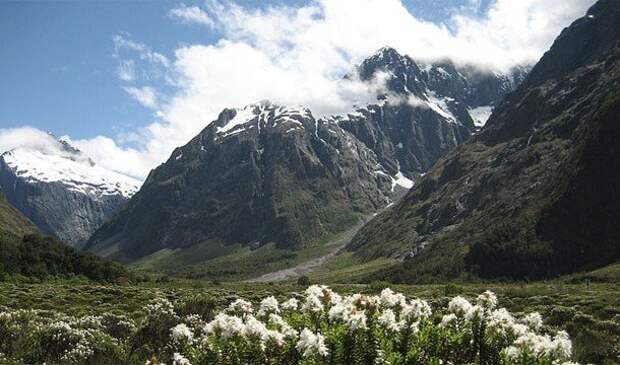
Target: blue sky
x,y
60,62
58,67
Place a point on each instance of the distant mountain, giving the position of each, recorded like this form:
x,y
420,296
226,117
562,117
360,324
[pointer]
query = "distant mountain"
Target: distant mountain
x,y
534,193
62,191
426,109
12,220
267,173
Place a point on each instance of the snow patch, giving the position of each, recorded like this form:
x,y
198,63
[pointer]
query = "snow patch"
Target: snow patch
x,y
401,180
74,170
439,106
480,115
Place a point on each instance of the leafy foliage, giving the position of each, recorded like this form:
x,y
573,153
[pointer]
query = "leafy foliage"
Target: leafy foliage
x,y
319,327
36,256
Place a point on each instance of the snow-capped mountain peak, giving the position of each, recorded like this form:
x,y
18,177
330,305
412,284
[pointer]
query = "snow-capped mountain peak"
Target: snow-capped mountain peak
x,y
60,162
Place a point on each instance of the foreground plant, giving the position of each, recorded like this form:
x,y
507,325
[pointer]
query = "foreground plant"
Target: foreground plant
x,y
317,327
324,328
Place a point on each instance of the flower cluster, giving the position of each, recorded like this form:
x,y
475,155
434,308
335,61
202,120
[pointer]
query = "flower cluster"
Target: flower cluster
x,y
323,327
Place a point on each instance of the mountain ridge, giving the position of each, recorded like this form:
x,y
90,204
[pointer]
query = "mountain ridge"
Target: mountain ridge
x,y
270,173
504,203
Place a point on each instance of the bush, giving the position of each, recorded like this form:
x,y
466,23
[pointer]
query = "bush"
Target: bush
x,y
39,257
320,327
303,281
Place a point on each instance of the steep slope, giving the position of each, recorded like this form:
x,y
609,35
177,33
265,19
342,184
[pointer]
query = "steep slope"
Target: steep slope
x,y
432,108
61,190
260,174
273,174
534,193
12,220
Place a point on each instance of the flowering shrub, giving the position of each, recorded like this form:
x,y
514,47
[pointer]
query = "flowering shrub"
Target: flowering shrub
x,y
318,327
325,328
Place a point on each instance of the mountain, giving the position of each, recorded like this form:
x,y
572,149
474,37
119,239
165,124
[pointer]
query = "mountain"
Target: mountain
x,y
62,191
534,193
12,220
271,174
432,108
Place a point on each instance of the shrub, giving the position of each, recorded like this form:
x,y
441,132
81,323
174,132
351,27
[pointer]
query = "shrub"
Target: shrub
x,y
303,281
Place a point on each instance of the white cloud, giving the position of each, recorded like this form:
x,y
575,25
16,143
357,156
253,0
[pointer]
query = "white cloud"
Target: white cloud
x,y
104,151
145,95
298,55
107,153
126,70
27,137
191,14
145,53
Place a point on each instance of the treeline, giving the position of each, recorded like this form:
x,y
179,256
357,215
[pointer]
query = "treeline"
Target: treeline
x,y
37,256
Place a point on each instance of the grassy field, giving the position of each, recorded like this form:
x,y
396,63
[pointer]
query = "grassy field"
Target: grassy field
x,y
589,311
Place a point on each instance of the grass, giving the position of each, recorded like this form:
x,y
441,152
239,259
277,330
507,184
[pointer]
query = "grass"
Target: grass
x,y
219,261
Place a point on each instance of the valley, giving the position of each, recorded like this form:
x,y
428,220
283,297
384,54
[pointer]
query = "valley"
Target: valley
x,y
449,200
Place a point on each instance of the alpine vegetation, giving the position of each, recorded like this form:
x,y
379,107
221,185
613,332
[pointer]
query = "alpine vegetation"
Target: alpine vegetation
x,y
322,327
316,327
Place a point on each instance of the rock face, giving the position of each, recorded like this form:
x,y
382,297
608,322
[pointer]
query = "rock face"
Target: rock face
x,y
61,190
533,194
260,174
269,173
430,108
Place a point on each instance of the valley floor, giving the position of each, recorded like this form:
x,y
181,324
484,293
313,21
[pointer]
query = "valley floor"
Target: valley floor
x,y
590,312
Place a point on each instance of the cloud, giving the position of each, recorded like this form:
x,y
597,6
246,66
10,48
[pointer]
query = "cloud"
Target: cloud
x,y
107,153
299,54
145,53
104,151
191,14
145,95
27,137
126,70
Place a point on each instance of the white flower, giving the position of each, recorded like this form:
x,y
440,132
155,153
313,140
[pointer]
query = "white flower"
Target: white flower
x,y
459,306
337,312
312,304
501,320
225,326
290,304
487,300
178,359
474,313
388,320
562,345
254,328
268,305
533,320
311,344
416,310
447,320
240,306
315,290
388,298
356,320
181,333
512,352
285,328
